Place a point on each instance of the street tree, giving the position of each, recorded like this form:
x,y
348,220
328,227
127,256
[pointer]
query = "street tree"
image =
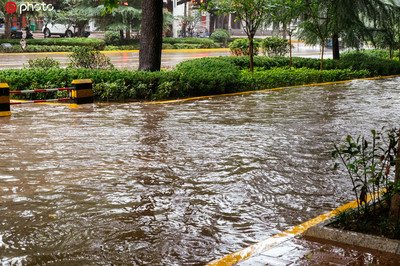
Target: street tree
x,y
287,16
252,14
351,20
314,28
151,35
387,34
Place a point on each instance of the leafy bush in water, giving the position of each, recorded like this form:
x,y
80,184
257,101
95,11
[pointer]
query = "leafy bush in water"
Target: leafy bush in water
x,y
240,47
206,76
43,63
221,36
84,57
274,46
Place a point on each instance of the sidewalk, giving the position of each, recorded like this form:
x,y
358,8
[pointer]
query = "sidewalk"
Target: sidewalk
x,y
300,251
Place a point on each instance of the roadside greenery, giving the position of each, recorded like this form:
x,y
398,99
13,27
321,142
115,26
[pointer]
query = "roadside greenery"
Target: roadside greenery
x,y
241,47
275,46
204,76
373,166
91,42
84,57
110,43
221,36
43,63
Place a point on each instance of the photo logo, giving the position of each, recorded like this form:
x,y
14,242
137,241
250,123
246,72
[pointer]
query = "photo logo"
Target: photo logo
x,y
11,7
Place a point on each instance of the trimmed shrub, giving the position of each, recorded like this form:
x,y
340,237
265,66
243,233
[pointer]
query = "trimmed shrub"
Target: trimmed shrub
x,y
275,46
202,42
91,42
283,77
266,63
43,63
375,65
84,57
205,76
240,47
112,38
221,35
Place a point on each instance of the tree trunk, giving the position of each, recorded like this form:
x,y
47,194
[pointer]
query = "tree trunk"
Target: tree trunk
x,y
121,34
128,34
290,50
7,26
151,35
212,23
285,31
395,203
251,51
322,55
335,47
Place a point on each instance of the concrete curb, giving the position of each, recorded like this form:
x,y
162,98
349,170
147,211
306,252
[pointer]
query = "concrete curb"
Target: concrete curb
x,y
322,231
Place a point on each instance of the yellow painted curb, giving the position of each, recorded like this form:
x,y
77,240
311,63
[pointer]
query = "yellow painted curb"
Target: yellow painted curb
x,y
265,90
38,53
234,258
70,105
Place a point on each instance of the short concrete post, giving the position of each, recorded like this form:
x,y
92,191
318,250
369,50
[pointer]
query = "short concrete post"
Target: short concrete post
x,y
82,92
4,100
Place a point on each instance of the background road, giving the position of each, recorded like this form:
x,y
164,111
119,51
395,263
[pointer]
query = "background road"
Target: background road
x,y
130,59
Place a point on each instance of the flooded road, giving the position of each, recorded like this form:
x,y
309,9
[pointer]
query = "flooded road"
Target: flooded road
x,y
176,184
130,59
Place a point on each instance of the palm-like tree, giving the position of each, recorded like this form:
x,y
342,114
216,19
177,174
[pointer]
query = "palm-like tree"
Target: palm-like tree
x,y
351,20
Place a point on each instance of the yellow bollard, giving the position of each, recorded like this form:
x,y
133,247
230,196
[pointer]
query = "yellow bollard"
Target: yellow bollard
x,y
82,92
4,100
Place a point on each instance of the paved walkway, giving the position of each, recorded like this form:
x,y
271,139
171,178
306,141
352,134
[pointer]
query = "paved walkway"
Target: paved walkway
x,y
301,251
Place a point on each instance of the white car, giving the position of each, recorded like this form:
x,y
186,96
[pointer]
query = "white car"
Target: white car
x,y
61,30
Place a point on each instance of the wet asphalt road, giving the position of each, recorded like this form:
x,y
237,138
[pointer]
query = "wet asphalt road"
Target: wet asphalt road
x,y
130,59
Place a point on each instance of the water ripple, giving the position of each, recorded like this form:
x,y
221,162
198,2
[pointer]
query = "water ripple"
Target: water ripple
x,y
176,184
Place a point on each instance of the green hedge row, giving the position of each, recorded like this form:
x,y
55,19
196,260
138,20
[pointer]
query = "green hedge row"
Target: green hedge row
x,y
37,49
377,66
68,44
204,76
284,77
135,85
204,41
92,42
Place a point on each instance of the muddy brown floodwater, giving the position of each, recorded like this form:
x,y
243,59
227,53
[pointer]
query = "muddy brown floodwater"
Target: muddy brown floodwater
x,y
175,184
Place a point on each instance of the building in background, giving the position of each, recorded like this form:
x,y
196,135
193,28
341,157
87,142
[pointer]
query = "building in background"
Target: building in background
x,y
190,21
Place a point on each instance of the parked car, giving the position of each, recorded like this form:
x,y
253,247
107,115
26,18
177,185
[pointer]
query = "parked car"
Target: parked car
x,y
62,30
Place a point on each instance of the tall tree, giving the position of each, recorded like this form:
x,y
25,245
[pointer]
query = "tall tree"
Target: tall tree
x,y
151,35
353,16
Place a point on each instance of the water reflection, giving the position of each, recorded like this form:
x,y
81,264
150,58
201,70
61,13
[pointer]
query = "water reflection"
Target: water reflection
x,y
179,183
